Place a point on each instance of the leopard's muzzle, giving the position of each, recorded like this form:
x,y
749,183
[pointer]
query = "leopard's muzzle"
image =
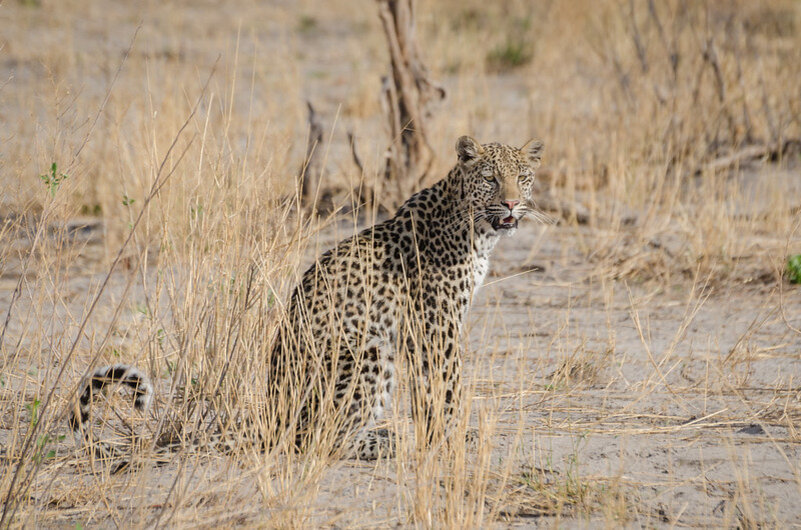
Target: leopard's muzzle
x,y
507,223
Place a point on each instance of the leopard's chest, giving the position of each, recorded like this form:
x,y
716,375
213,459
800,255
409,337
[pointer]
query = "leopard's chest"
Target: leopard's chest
x,y
482,248
480,270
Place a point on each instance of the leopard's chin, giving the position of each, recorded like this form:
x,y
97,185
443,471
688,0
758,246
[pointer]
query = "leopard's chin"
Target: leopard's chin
x,y
505,226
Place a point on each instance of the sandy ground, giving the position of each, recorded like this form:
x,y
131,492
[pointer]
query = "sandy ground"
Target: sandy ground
x,y
680,401
676,388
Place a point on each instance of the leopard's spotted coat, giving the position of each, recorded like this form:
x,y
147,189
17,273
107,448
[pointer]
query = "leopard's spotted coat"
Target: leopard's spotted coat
x,y
404,285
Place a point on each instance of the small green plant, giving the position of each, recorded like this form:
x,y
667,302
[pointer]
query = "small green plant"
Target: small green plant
x,y
518,48
307,24
270,298
794,268
91,209
513,53
42,453
33,410
196,212
127,201
53,179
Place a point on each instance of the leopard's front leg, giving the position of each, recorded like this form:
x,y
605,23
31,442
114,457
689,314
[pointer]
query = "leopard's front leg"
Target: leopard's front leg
x,y
436,363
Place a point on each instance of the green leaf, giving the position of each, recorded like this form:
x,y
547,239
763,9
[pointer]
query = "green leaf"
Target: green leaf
x,y
33,409
794,268
53,179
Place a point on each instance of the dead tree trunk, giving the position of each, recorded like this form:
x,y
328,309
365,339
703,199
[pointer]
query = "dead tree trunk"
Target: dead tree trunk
x,y
408,93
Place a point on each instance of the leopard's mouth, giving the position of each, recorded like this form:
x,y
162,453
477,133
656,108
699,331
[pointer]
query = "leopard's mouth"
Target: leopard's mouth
x,y
507,223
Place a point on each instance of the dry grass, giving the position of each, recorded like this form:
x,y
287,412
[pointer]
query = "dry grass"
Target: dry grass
x,y
622,352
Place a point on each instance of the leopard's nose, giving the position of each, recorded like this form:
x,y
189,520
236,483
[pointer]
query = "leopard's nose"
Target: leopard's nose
x,y
511,204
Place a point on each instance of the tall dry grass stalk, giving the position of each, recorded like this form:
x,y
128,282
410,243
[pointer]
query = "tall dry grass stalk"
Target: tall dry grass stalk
x,y
177,232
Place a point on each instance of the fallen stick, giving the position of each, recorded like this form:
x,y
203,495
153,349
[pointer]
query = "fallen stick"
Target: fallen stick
x,y
747,154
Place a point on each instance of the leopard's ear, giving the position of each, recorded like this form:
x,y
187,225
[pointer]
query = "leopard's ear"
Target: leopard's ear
x,y
533,151
468,149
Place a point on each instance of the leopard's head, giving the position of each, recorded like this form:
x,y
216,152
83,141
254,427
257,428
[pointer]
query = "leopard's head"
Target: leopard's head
x,y
497,181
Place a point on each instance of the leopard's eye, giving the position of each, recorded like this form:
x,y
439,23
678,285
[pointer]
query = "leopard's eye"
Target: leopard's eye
x,y
488,174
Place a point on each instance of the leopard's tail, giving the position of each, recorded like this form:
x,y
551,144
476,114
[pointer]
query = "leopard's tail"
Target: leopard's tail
x,y
120,455
115,374
96,383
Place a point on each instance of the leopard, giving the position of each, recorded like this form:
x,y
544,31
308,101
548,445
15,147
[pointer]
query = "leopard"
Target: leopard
x,y
399,290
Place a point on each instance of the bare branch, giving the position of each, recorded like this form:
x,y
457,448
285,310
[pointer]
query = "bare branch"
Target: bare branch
x,y
311,171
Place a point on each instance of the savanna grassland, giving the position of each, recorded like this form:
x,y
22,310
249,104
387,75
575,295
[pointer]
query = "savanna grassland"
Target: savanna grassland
x,y
636,363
